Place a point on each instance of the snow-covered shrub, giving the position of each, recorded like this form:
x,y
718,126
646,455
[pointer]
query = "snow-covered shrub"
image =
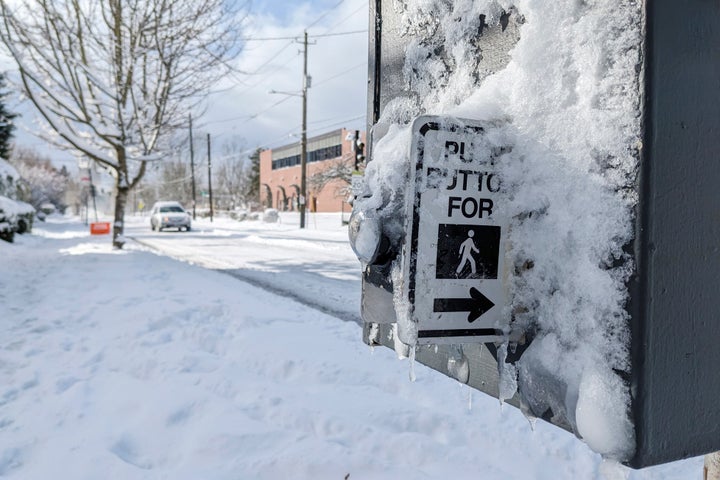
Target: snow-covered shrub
x,y
270,215
238,214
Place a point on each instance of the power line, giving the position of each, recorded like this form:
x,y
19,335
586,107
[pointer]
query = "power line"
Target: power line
x,y
361,7
279,52
328,33
296,36
250,117
337,33
342,122
340,74
325,14
254,39
247,118
273,57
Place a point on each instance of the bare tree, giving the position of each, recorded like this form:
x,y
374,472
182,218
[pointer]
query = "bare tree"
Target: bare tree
x,y
233,174
175,182
115,78
41,181
339,172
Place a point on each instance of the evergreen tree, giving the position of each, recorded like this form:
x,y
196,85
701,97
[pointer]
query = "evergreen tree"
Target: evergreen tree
x,y
6,122
254,177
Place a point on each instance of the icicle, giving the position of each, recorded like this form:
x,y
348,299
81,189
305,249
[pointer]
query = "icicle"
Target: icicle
x,y
373,335
458,366
412,364
402,350
532,421
508,375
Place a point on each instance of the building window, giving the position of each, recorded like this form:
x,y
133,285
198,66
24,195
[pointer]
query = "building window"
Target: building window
x,y
316,155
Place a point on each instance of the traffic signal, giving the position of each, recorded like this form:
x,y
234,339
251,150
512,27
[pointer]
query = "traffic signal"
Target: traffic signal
x,y
359,150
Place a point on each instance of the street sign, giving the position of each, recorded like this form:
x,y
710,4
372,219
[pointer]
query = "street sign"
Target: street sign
x,y
357,183
99,228
454,250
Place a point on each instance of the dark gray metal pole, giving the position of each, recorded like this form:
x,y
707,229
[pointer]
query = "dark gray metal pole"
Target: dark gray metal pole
x,y
192,166
210,178
303,138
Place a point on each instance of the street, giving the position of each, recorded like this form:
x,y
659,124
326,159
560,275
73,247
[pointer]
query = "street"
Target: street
x,y
314,266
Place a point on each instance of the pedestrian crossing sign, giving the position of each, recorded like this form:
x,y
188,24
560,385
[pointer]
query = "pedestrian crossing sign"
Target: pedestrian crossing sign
x,y
467,251
453,260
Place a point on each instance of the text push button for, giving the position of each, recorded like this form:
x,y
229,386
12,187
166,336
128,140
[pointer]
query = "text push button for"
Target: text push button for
x,y
453,262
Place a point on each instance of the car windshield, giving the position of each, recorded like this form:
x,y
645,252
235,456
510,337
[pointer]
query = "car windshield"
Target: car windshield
x,y
171,208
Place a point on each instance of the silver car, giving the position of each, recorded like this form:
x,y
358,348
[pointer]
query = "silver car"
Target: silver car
x,y
169,215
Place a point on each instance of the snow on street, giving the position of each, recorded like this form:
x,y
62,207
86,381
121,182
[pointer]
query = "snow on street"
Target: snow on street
x,y
132,365
315,266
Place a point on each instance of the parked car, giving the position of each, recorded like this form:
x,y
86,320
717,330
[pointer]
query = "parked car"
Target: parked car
x,y
169,215
25,216
7,232
15,217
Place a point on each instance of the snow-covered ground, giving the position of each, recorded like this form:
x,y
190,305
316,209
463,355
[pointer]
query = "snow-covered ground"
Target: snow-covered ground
x,y
132,365
315,266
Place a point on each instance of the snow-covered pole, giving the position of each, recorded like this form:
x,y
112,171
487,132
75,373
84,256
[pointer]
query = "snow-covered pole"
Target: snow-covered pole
x,y
593,148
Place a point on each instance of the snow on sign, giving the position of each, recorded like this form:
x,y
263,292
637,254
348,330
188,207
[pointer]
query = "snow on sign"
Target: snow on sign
x,y
453,263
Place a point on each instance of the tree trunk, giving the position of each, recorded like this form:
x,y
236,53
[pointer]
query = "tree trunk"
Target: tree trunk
x,y
119,223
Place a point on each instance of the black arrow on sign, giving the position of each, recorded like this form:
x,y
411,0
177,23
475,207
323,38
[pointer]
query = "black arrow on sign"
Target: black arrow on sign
x,y
477,305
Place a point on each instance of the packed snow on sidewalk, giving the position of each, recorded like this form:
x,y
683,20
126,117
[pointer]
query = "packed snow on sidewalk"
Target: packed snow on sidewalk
x,y
130,365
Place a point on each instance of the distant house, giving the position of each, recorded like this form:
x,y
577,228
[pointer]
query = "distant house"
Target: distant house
x,y
280,173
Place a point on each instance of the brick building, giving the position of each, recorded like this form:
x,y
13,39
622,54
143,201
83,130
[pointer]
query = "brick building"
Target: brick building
x,y
280,173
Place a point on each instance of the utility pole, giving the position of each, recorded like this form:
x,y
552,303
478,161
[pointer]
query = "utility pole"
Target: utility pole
x,y
192,166
303,138
210,178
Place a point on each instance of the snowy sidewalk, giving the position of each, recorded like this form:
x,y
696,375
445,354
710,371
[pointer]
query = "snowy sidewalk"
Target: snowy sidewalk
x,y
128,365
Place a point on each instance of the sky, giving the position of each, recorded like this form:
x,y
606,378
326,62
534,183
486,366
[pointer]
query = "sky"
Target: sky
x,y
240,108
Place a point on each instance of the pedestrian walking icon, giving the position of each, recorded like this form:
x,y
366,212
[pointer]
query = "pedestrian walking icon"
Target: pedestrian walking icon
x,y
467,251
